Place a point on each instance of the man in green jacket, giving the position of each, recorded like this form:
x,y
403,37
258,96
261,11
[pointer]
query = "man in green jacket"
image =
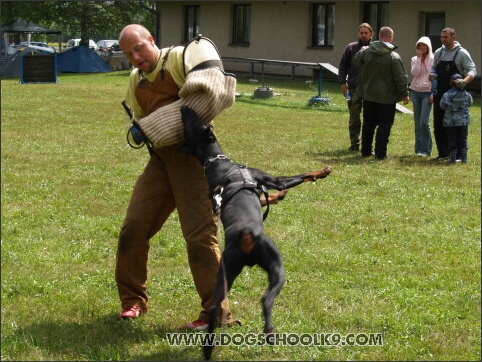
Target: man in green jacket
x,y
382,82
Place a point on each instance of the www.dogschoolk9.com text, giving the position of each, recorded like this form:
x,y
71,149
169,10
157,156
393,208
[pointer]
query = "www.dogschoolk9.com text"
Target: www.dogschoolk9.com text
x,y
275,339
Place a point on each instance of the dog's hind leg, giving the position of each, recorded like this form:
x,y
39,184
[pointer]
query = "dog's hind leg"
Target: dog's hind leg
x,y
287,182
229,269
269,258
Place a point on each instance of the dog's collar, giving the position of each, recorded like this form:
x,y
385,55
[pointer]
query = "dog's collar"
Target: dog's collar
x,y
214,159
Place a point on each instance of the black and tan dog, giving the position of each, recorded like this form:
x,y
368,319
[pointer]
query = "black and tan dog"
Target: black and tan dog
x,y
237,190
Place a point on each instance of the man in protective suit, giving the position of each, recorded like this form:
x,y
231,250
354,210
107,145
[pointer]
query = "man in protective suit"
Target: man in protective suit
x,y
163,80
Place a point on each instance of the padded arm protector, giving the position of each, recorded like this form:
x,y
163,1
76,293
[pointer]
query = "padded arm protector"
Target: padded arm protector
x,y
207,91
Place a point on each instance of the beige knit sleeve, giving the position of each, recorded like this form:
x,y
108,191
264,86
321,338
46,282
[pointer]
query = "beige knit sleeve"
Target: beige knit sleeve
x,y
206,91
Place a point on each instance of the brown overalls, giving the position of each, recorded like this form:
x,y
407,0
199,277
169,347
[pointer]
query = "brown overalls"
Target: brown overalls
x,y
170,181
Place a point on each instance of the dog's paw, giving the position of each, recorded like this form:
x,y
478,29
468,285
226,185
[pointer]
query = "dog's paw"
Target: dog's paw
x,y
313,176
207,353
322,173
270,338
276,196
208,346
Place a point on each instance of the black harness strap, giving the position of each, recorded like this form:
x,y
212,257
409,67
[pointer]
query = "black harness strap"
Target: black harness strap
x,y
164,60
236,179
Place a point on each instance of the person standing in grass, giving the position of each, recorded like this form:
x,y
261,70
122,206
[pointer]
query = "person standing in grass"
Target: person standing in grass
x,y
455,103
449,59
421,95
382,83
347,77
163,80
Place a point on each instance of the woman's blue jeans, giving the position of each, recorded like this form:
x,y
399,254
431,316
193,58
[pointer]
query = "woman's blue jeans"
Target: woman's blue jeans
x,y
421,117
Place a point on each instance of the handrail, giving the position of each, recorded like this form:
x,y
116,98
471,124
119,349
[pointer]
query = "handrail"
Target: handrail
x,y
290,63
267,61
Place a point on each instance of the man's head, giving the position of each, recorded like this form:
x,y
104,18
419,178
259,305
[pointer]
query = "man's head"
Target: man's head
x,y
365,33
385,34
448,37
139,47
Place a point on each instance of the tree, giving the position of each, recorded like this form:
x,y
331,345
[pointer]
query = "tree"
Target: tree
x,y
81,19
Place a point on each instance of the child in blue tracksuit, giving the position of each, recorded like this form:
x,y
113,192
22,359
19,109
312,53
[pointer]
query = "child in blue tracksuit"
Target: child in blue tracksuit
x,y
456,103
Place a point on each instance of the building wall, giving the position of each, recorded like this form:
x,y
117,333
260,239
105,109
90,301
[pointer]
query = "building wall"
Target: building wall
x,y
282,29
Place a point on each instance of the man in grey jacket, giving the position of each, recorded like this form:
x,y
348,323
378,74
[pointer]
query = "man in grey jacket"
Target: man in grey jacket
x,y
382,83
449,59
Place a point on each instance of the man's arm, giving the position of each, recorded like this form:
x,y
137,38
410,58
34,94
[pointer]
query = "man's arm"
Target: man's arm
x,y
207,91
401,79
343,66
468,66
343,69
436,57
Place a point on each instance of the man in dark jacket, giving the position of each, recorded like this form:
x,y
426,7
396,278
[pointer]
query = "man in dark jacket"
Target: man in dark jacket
x,y
347,77
382,82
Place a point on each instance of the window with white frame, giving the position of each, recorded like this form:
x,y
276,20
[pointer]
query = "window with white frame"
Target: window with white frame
x,y
323,25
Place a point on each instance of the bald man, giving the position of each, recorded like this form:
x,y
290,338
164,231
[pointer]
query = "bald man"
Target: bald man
x,y
382,83
163,80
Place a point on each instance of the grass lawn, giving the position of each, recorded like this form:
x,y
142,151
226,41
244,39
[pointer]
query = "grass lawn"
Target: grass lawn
x,y
387,248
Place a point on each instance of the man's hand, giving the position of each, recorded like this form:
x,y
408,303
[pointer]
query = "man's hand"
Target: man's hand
x,y
460,83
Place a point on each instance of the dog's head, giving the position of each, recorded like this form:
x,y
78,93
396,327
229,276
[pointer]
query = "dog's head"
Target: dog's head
x,y
196,132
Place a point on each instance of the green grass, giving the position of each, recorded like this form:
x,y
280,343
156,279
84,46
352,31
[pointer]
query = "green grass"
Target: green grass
x,y
389,247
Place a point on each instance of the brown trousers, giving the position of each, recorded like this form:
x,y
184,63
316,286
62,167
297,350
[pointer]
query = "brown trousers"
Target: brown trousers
x,y
170,180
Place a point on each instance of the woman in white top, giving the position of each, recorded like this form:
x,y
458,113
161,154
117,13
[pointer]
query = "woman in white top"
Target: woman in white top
x,y
421,95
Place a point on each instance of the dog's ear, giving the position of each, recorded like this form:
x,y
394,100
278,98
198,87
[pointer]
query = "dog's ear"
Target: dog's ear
x,y
209,131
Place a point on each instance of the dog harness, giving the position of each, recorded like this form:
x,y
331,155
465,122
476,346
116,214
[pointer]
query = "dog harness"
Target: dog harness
x,y
236,179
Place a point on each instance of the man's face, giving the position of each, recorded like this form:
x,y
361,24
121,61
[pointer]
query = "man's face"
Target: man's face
x,y
447,39
364,35
140,51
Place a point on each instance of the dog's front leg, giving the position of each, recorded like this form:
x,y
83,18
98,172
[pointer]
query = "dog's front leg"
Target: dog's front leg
x,y
229,268
219,293
273,197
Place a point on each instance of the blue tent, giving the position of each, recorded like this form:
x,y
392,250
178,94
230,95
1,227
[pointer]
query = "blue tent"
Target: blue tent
x,y
81,59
